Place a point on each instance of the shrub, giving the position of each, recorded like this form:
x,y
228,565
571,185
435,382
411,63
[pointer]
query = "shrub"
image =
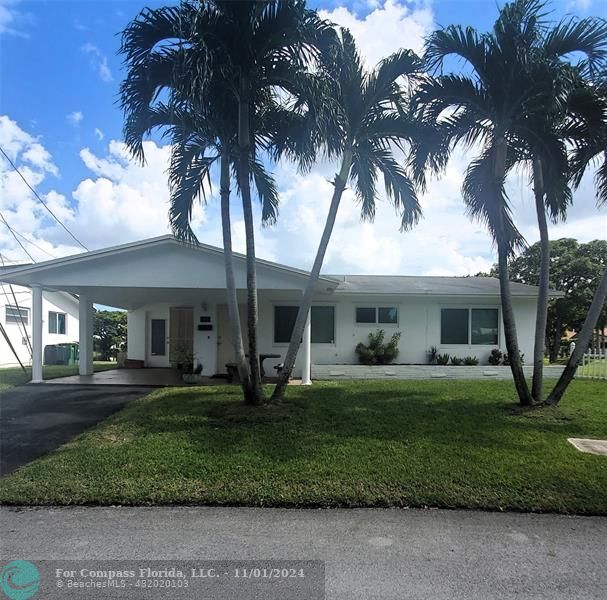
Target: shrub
x,y
456,362
432,354
471,360
507,360
495,358
376,352
442,359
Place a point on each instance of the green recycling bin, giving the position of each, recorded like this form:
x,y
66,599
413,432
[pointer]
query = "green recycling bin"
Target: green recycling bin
x,y
70,353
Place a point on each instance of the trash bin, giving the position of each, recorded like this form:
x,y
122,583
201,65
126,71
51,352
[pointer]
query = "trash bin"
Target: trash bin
x,y
50,354
69,353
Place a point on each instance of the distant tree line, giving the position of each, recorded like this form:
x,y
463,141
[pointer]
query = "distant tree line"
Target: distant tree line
x,y
575,269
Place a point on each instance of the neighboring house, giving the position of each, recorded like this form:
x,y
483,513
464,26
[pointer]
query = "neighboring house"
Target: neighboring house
x,y
59,316
176,302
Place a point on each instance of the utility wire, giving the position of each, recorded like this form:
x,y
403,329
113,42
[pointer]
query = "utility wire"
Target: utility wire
x,y
16,238
23,237
40,199
25,333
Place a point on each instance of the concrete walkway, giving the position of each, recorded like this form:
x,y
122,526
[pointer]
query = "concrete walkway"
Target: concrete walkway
x,y
368,554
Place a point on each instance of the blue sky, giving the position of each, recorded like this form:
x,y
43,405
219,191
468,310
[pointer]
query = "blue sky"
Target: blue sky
x,y
60,74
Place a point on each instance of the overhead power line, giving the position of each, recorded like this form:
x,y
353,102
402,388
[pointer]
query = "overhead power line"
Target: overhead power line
x,y
41,200
16,238
23,237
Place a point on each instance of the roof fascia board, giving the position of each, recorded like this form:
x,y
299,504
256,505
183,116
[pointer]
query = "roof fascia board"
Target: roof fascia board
x,y
132,246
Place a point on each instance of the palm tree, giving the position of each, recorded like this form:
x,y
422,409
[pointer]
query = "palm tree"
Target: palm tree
x,y
265,46
504,103
589,136
473,110
542,136
242,62
370,118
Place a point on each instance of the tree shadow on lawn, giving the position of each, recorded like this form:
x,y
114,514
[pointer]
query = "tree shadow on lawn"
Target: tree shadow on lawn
x,y
309,425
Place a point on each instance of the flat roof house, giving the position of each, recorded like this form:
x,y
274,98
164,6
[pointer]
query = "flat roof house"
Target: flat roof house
x,y
59,322
175,297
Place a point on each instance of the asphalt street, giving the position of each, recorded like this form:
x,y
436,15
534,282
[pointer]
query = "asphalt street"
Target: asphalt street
x,y
370,554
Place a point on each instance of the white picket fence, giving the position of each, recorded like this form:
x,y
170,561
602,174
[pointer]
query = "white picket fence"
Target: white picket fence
x,y
593,365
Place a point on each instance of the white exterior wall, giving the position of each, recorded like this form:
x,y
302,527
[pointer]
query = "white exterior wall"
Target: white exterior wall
x,y
204,342
136,334
418,322
51,301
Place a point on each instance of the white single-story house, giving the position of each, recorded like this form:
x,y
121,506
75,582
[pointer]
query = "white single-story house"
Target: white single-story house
x,y
175,297
59,322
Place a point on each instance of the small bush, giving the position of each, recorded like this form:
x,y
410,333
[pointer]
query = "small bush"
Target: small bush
x,y
442,359
456,362
471,361
507,360
495,358
432,354
376,352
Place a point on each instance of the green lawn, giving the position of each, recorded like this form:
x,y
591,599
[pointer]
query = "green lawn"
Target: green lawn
x,y
415,443
15,375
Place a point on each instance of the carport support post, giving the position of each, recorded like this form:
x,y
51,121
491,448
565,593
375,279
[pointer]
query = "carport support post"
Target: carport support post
x,y
306,366
85,317
36,334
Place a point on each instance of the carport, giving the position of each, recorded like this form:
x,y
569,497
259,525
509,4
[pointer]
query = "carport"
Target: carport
x,y
176,301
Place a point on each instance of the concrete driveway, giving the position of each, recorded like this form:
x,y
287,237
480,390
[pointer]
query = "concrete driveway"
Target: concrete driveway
x,y
368,554
35,419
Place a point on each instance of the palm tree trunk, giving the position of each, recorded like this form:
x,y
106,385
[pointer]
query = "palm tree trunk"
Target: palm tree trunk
x,y
503,251
514,356
232,299
244,135
594,312
340,182
541,317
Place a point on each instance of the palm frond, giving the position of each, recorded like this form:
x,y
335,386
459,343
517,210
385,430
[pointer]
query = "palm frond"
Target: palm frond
x,y
487,202
400,189
450,92
266,192
601,181
189,181
455,40
587,36
364,176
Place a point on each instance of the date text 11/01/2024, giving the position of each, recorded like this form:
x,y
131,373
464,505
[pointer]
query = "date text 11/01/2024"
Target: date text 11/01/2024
x,y
195,573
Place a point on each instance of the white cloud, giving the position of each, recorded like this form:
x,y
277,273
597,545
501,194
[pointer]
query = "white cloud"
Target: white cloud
x,y
121,201
390,26
580,5
99,134
11,18
98,61
74,118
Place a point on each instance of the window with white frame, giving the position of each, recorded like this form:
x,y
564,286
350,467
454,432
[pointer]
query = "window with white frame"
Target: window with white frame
x,y
56,322
16,314
386,315
470,326
322,326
